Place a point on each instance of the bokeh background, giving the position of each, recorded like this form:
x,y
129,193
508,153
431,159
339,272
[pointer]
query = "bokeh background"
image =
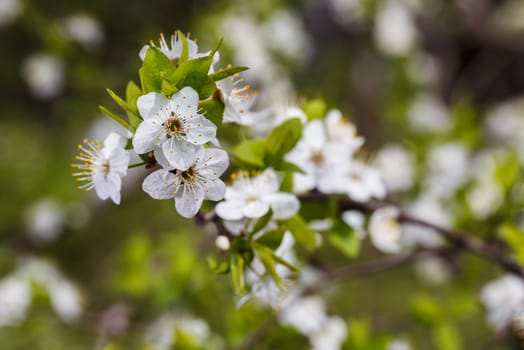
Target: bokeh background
x,y
438,79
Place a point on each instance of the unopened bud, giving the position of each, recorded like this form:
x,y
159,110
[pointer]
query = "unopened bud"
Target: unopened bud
x,y
222,243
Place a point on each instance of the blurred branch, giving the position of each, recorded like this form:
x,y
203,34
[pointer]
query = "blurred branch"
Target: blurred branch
x,y
457,238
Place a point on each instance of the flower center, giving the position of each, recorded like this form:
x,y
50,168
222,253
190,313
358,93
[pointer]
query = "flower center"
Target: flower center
x,y
188,175
173,125
317,158
106,167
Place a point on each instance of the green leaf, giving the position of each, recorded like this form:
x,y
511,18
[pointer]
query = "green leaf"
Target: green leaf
x,y
301,231
514,238
155,69
218,267
287,182
124,106
447,337
345,239
227,72
249,154
193,73
287,166
185,49
281,140
273,238
213,110
237,273
263,221
133,92
315,109
116,118
266,257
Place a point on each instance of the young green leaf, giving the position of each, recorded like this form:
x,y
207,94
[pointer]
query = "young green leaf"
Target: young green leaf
x,y
301,231
116,118
194,73
133,92
237,273
281,140
273,238
218,267
287,182
213,110
249,154
344,238
155,69
315,109
185,48
262,222
226,72
266,257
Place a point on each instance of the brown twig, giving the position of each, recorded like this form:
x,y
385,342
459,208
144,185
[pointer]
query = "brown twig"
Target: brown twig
x,y
457,238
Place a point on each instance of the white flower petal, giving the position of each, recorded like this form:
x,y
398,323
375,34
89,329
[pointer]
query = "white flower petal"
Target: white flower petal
x,y
147,135
230,210
185,103
215,190
255,209
150,104
201,131
189,200
213,164
160,184
284,205
180,154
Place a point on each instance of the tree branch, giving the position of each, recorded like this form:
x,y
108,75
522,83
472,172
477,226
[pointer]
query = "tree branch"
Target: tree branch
x,y
457,238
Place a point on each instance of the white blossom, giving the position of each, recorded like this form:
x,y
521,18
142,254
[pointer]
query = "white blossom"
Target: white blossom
x,y
395,32
222,243
502,299
330,336
238,100
485,197
432,270
15,299
355,220
173,48
263,288
428,114
9,11
395,164
252,197
448,166
103,166
399,344
162,333
173,127
385,230
84,29
190,185
44,74
358,180
45,220
324,147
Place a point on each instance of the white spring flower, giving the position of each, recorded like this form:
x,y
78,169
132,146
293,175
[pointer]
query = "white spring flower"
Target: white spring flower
x,y
252,198
355,220
238,100
358,180
44,74
45,220
103,166
15,299
193,183
170,125
330,336
503,298
9,11
321,149
84,29
173,48
395,33
306,314
385,230
427,113
395,164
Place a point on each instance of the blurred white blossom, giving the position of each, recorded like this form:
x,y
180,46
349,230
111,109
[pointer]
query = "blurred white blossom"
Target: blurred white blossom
x,y
428,114
395,32
84,29
9,11
385,230
503,298
395,164
44,73
45,220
